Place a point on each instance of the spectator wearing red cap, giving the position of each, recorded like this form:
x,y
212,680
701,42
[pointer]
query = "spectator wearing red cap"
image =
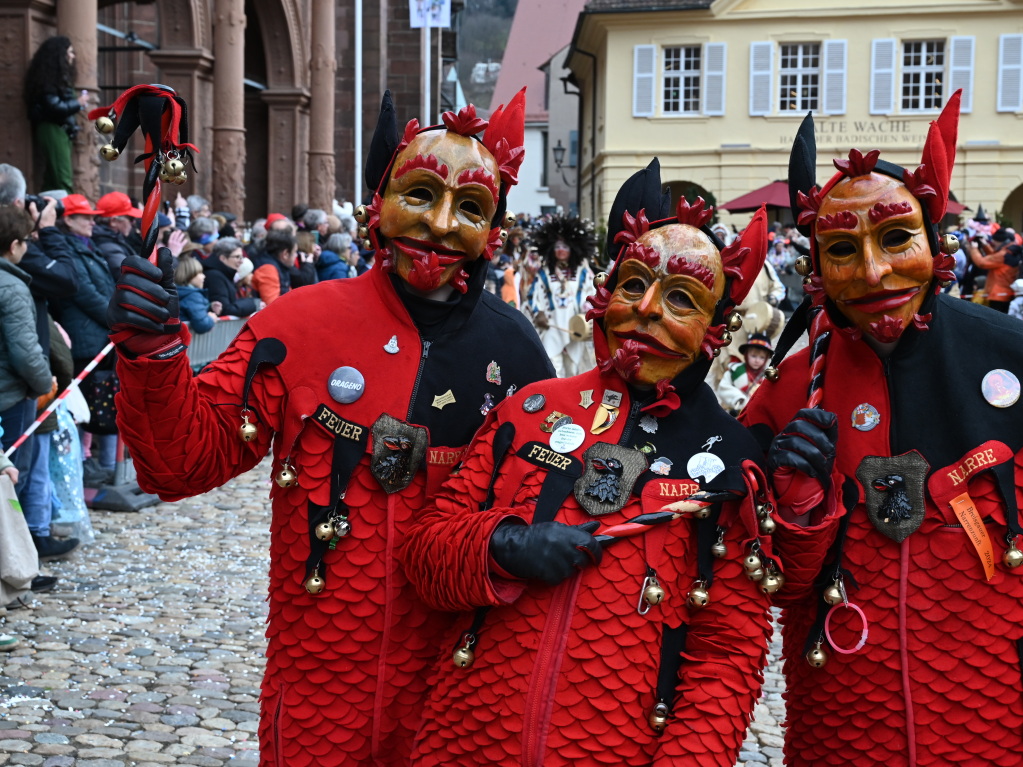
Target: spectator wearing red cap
x,y
115,232
83,315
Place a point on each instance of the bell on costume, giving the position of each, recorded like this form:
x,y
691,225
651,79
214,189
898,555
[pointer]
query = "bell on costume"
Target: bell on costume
x,y
325,530
653,594
835,593
464,657
658,718
720,549
772,580
734,321
767,524
286,477
105,125
315,584
247,431
817,657
699,596
1013,557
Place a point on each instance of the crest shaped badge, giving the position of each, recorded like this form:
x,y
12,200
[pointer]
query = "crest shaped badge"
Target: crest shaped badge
x,y
894,491
611,472
398,450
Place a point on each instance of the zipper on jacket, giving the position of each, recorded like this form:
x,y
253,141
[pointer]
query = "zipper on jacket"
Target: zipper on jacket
x,y
419,377
630,422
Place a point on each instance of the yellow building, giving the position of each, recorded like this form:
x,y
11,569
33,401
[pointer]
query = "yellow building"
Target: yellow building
x,y
717,89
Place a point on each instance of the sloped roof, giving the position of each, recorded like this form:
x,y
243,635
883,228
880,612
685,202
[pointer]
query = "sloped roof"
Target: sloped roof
x,y
596,6
540,29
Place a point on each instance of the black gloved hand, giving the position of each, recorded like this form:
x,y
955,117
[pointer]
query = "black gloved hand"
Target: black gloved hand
x,y
807,445
145,299
548,551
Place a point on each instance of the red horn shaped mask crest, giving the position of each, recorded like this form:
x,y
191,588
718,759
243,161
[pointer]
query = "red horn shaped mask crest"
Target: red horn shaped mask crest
x,y
505,137
744,258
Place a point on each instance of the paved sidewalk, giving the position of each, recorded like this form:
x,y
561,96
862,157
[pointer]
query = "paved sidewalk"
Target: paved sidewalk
x,y
150,650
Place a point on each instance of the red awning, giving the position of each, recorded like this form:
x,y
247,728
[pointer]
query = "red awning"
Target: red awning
x,y
955,208
774,195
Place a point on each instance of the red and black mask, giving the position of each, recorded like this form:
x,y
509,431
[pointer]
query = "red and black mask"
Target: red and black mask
x,y
440,198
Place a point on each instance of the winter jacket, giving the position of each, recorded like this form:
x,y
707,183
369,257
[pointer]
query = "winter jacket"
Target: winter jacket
x,y
270,278
220,286
113,245
920,433
84,314
570,674
346,667
50,262
57,107
24,370
195,306
330,266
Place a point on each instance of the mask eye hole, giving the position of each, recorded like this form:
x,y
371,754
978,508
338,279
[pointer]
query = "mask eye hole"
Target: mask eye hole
x,y
895,238
471,207
634,286
678,299
841,249
420,193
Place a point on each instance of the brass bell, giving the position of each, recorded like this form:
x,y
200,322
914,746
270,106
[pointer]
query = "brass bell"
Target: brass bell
x,y
315,583
817,657
807,282
698,596
734,321
702,513
1012,557
286,477
367,245
325,531
360,214
653,593
719,550
503,235
803,266
509,219
717,352
464,657
109,152
833,594
165,178
105,125
658,718
179,179
772,582
752,562
726,338
247,431
771,374
363,232
767,525
755,575
174,167
949,244
600,279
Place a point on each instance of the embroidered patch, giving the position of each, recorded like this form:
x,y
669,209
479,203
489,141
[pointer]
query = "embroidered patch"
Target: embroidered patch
x,y
539,454
894,491
337,425
398,450
611,472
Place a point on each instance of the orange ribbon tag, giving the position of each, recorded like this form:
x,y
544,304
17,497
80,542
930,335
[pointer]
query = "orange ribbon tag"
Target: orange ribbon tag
x,y
970,519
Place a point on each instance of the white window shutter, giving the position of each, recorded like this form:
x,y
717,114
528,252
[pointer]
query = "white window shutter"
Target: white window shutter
x,y
1010,73
834,76
882,76
960,70
761,68
644,80
714,62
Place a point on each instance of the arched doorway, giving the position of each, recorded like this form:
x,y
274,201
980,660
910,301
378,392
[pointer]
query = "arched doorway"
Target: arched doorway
x,y
690,190
1012,208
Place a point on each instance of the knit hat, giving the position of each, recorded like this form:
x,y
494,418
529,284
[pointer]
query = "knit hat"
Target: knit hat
x,y
244,270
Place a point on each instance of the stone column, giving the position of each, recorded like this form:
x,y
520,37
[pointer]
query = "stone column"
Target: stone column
x,y
288,138
323,66
228,158
77,21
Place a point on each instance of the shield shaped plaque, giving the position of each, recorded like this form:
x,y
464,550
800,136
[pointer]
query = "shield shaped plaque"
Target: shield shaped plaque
x,y
894,491
611,471
398,450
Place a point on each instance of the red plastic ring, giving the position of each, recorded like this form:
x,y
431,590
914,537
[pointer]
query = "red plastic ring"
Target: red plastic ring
x,y
827,628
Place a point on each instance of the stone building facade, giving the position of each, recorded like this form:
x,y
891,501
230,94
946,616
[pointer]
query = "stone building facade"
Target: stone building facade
x,y
270,86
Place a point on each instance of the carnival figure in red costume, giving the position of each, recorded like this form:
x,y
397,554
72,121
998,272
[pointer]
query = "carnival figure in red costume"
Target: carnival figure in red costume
x,y
897,463
580,652
367,392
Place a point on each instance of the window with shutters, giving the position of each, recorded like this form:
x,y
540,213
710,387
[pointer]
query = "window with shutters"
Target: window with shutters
x,y
923,75
681,80
799,77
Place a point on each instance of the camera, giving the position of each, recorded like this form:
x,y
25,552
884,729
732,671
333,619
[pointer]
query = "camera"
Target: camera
x,y
41,203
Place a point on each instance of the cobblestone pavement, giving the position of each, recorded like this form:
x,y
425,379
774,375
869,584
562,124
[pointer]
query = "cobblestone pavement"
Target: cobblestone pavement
x,y
150,650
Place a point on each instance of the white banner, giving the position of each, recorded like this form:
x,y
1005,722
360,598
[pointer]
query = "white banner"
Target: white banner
x,y
429,13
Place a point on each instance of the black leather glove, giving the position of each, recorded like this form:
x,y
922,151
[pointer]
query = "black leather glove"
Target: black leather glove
x,y
145,299
548,551
807,445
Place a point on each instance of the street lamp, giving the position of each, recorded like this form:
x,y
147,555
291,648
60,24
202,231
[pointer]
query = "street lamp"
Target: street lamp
x,y
558,152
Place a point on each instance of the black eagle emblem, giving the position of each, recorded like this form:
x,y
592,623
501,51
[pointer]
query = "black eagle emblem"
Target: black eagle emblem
x,y
895,506
607,487
393,468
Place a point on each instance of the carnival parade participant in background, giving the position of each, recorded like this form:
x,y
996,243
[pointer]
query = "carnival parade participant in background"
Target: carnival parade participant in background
x,y
559,291
367,391
897,463
743,378
648,651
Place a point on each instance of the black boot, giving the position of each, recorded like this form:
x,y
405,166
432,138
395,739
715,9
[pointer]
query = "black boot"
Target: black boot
x,y
54,548
43,583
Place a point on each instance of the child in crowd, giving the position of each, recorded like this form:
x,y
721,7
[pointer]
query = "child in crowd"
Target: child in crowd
x,y
196,309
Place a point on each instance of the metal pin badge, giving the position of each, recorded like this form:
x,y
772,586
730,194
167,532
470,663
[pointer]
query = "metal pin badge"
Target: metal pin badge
x,y
1000,388
391,347
534,403
346,384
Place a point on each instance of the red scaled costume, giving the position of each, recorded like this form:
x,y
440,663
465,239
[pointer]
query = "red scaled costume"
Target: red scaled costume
x,y
368,394
575,673
928,423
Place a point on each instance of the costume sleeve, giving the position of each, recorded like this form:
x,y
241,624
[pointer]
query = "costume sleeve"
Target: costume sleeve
x,y
730,396
446,551
267,283
183,431
722,669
